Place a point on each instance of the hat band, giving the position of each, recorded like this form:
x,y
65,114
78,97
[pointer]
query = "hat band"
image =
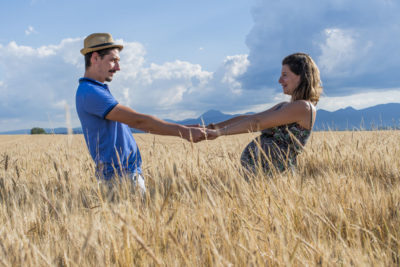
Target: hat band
x,y
99,45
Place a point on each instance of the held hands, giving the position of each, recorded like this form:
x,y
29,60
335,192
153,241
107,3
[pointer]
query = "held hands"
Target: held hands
x,y
197,134
209,126
212,134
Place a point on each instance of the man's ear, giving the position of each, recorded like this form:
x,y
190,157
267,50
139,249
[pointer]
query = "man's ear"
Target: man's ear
x,y
94,58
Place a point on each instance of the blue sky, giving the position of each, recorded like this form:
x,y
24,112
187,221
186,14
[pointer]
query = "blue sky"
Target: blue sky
x,y
182,58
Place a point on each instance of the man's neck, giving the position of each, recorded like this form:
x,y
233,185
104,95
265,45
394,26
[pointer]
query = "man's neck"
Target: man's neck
x,y
90,75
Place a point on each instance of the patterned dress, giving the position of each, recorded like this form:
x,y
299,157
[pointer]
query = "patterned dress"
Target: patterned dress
x,y
276,148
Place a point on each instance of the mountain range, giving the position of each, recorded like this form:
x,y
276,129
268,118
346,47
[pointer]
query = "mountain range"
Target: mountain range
x,y
384,116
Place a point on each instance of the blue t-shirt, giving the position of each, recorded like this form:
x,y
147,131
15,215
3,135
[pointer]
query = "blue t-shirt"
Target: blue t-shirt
x,y
111,143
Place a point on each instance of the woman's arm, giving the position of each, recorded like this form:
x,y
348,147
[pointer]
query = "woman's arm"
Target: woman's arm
x,y
227,122
236,119
289,113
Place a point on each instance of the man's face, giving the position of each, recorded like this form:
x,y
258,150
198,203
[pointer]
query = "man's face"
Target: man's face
x,y
107,66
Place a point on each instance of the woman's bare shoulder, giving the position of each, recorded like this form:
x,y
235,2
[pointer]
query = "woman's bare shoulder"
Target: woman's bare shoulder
x,y
280,105
303,104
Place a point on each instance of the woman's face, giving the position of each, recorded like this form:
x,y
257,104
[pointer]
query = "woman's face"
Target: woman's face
x,y
288,80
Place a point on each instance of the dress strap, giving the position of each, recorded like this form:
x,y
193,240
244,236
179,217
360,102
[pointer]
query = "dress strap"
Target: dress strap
x,y
311,120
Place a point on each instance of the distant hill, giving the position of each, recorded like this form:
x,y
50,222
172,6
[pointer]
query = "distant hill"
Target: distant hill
x,y
377,117
385,116
210,116
60,130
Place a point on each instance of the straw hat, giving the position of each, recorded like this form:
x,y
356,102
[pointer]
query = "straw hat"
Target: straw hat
x,y
98,41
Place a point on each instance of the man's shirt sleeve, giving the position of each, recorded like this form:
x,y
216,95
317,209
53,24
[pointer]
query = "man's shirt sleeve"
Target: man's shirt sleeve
x,y
99,102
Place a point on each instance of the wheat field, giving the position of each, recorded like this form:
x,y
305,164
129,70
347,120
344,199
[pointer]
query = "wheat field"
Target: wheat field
x,y
341,207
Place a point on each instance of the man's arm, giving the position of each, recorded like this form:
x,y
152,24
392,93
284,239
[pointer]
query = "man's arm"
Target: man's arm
x,y
153,125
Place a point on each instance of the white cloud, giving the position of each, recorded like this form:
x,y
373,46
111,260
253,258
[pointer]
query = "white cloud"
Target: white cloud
x,y
18,50
154,87
173,95
132,59
177,70
60,104
30,30
38,81
234,66
36,84
352,42
357,101
341,51
47,78
360,100
338,50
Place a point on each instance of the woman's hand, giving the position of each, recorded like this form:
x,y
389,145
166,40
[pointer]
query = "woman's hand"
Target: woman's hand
x,y
212,134
211,126
194,125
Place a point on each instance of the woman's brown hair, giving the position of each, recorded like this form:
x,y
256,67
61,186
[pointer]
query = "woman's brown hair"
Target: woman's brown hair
x,y
310,87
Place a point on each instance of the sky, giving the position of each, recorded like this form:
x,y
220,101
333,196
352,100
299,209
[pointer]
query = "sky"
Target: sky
x,y
183,58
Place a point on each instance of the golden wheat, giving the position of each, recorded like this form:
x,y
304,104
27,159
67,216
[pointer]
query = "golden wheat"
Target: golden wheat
x,y
340,207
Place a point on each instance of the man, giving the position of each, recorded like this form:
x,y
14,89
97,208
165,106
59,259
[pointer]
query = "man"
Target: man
x,y
106,123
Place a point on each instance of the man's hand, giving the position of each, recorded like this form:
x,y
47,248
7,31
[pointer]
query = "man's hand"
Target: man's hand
x,y
196,134
200,134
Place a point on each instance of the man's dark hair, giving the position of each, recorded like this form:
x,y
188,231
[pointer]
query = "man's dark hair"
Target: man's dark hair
x,y
101,53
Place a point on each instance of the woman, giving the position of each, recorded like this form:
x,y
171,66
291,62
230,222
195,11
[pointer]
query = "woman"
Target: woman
x,y
286,127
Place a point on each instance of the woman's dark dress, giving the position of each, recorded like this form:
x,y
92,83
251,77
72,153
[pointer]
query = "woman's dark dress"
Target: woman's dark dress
x,y
276,147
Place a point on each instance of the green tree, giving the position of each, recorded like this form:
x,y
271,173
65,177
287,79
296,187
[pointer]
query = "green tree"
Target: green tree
x,y
37,130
